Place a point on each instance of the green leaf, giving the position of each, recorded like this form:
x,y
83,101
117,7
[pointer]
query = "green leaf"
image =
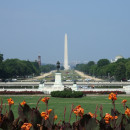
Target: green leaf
x,y
124,120
112,123
11,116
24,112
92,125
35,118
6,124
127,127
85,119
118,120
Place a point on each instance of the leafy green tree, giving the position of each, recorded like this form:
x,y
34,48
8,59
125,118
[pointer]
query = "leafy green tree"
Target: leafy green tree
x,y
47,68
122,60
16,67
105,69
103,62
128,70
120,71
111,69
92,70
1,58
81,67
90,63
2,70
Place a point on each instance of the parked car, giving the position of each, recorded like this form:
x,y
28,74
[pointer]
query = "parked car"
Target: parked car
x,y
14,80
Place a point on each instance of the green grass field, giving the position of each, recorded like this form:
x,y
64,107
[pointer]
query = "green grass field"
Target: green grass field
x,y
66,75
58,104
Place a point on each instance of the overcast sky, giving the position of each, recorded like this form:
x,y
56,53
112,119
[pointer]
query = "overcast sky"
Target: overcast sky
x,y
96,29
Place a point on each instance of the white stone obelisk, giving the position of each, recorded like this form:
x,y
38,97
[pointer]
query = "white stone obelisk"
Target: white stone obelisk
x,y
66,66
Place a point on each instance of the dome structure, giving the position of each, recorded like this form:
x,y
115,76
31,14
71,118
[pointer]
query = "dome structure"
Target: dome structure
x,y
118,57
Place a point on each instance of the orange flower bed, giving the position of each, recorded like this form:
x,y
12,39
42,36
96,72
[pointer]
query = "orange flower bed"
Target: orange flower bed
x,y
31,118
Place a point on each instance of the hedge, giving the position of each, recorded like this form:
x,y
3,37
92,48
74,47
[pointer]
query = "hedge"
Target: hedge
x,y
67,94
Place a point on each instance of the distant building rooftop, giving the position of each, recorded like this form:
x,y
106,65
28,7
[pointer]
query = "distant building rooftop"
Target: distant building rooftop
x,y
117,58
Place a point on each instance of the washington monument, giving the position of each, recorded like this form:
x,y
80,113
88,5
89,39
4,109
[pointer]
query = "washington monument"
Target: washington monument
x,y
66,66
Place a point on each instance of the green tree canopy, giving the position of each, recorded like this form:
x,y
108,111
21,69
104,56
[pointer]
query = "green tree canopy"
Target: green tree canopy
x,y
1,58
120,71
103,62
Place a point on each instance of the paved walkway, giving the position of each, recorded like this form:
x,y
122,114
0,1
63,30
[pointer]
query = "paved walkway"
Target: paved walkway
x,y
87,76
41,76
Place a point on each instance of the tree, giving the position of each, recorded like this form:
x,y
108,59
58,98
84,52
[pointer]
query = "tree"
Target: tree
x,y
16,67
47,68
111,69
92,70
2,68
90,63
128,70
1,58
103,62
120,71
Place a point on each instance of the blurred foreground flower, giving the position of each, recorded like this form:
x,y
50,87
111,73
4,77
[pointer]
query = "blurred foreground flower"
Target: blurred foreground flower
x,y
45,99
92,115
55,117
127,112
23,103
108,117
26,126
112,96
46,114
124,101
10,101
78,111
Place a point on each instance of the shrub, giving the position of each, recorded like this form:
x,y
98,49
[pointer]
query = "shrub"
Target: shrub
x,y
67,94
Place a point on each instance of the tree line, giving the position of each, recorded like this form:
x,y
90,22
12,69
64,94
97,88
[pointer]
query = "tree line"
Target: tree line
x,y
119,70
13,68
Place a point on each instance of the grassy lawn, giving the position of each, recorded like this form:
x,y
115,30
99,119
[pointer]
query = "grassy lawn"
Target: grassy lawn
x,y
88,103
66,75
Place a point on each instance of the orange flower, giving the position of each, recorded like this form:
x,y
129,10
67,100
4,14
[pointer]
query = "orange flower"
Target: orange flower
x,y
124,101
55,117
78,111
46,114
45,99
112,96
91,114
107,122
23,103
10,101
108,117
115,117
43,114
127,112
26,126
49,111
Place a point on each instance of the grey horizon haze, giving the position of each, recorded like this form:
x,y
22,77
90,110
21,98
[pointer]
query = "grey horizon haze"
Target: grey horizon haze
x,y
96,29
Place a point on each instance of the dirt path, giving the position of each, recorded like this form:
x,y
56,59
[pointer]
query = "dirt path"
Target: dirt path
x,y
86,76
41,76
